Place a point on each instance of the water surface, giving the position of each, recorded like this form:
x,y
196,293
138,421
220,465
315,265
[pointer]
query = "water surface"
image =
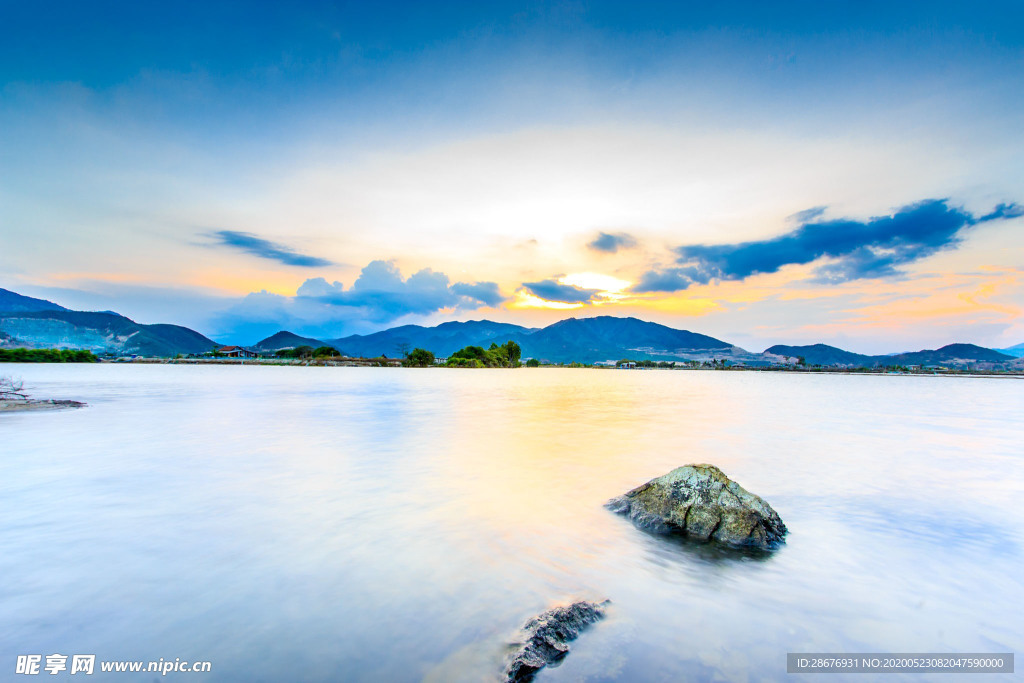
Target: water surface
x,y
379,524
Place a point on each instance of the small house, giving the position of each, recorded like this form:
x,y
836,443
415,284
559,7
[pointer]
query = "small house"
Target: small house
x,y
236,352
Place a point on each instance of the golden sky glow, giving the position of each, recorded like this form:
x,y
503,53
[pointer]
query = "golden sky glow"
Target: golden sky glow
x,y
527,300
671,178
606,284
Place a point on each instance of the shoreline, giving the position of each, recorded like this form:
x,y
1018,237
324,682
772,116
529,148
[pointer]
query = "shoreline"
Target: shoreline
x,y
397,363
30,404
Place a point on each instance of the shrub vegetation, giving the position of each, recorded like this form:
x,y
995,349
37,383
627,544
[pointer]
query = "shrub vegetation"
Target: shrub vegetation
x,y
506,355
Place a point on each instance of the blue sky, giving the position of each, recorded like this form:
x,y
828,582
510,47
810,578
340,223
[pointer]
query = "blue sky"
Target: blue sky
x,y
201,162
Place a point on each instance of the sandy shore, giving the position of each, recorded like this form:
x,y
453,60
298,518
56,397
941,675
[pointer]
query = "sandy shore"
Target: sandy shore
x,y
7,406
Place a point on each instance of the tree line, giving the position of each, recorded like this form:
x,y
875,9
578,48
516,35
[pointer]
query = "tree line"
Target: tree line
x,y
303,352
47,356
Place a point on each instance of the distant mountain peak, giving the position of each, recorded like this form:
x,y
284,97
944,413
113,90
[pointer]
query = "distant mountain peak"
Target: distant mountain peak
x,y
286,340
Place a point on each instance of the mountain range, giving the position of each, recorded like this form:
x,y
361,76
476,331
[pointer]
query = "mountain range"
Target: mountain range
x,y
821,354
37,323
590,340
585,340
951,354
443,340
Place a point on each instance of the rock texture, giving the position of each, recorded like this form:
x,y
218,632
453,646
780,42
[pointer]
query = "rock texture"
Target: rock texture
x,y
700,502
547,638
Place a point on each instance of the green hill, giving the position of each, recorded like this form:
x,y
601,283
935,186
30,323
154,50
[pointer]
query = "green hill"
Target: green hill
x,y
952,354
287,340
588,340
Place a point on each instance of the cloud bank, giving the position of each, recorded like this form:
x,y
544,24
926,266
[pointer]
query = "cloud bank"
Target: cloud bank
x,y
551,290
379,296
251,244
381,293
861,249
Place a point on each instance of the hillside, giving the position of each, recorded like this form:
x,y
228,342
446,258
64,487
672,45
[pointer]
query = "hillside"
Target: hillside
x,y
1015,351
823,354
99,333
952,354
588,340
12,302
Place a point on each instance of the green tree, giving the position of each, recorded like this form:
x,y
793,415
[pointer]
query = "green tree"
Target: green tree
x,y
419,358
297,352
513,352
470,353
325,352
533,363
497,356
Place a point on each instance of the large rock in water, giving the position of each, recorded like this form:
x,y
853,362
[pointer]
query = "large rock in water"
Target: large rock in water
x,y
547,638
699,501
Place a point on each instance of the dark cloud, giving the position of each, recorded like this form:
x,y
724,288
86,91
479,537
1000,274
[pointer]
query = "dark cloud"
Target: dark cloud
x,y
1012,210
551,290
382,294
669,279
257,246
486,293
611,243
861,249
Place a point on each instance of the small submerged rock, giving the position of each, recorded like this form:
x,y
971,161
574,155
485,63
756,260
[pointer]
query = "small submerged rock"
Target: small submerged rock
x,y
700,502
548,636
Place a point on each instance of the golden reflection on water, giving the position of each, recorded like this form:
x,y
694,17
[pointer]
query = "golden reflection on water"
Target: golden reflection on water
x,y
523,471
385,524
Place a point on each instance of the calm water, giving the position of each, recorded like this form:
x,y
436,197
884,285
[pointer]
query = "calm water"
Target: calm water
x,y
348,524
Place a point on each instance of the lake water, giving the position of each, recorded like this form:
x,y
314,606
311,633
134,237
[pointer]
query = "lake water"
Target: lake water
x,y
378,524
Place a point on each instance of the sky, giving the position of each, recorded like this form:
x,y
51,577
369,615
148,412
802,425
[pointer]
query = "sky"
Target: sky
x,y
850,173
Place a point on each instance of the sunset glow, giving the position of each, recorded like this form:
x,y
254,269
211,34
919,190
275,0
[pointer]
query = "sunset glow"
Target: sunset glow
x,y
690,167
